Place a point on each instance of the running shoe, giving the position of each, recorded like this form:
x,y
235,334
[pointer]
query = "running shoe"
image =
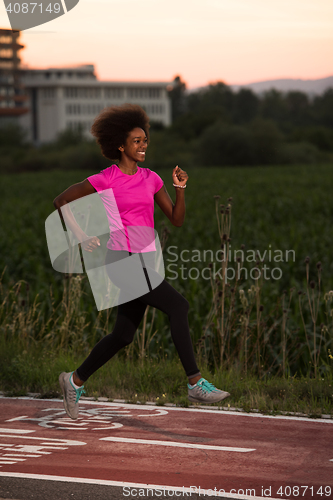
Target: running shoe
x,y
71,394
204,392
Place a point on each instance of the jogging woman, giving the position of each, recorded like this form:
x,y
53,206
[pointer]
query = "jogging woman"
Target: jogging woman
x,y
122,132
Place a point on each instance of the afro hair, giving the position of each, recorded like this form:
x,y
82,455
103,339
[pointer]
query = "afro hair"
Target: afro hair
x,y
113,125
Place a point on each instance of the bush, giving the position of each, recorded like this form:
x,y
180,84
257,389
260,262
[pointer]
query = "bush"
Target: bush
x,y
69,137
266,141
167,150
321,137
221,144
12,136
83,156
6,164
299,152
33,161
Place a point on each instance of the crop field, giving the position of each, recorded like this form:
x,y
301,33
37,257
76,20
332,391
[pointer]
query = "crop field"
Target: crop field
x,y
279,322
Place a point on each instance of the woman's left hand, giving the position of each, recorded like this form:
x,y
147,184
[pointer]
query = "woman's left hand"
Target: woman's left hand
x,y
179,176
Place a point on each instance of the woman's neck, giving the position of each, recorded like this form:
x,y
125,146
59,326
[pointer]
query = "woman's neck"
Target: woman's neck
x,y
129,168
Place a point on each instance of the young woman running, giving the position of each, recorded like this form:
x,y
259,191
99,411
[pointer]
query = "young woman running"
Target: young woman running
x,y
123,134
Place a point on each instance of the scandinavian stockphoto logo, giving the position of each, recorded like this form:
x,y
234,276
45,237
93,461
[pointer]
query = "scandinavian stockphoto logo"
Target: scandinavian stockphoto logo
x,y
135,269
24,15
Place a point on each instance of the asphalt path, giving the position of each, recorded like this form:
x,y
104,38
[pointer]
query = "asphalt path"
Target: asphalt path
x,y
119,451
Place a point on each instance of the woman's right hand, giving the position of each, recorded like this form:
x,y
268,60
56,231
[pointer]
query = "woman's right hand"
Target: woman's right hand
x,y
90,244
61,203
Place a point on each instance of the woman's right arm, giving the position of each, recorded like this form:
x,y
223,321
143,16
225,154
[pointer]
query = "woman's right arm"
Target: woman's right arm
x,y
74,192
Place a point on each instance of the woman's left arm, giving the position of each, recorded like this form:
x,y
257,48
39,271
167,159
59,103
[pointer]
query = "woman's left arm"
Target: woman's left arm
x,y
174,211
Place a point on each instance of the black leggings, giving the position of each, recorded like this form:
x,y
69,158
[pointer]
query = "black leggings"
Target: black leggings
x,y
129,315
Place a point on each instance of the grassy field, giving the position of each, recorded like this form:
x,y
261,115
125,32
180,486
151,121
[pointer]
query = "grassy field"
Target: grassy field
x,y
289,208
161,381
279,327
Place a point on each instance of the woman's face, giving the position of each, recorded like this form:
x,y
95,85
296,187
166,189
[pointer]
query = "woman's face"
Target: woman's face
x,y
135,146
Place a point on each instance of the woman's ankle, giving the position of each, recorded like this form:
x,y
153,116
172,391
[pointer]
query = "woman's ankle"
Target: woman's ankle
x,y
77,380
194,380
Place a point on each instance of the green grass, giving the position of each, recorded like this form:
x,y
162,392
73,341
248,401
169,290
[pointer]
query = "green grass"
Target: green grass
x,y
282,208
161,381
285,207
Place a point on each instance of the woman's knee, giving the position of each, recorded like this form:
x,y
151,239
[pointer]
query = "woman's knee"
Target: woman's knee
x,y
186,304
182,305
126,339
120,340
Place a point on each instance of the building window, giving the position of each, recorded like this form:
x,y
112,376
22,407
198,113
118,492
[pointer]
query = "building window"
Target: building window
x,y
48,93
113,93
82,92
5,39
73,109
71,92
75,125
6,78
155,109
7,64
6,53
138,92
154,93
7,104
144,93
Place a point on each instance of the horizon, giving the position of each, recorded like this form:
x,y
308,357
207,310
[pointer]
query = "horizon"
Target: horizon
x,y
69,66
238,44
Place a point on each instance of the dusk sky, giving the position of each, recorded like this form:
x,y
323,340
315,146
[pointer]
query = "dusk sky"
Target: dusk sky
x,y
235,41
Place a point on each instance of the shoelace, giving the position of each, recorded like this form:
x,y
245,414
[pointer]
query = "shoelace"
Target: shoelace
x,y
207,386
79,393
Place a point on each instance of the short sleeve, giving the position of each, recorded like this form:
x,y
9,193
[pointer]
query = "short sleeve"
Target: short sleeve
x,y
158,182
100,181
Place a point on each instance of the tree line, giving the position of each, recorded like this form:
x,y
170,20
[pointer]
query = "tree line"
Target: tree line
x,y
218,126
212,126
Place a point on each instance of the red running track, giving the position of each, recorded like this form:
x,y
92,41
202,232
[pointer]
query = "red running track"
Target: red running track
x,y
125,445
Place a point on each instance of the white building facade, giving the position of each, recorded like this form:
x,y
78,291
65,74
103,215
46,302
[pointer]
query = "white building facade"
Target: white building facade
x,y
62,98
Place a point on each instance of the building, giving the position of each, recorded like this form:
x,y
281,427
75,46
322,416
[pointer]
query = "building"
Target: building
x,y
62,98
13,99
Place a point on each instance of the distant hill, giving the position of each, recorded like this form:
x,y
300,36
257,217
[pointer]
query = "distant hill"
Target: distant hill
x,y
311,87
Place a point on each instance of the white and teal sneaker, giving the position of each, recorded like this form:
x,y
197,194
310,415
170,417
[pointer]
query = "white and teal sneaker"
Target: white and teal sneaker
x,y
204,392
71,394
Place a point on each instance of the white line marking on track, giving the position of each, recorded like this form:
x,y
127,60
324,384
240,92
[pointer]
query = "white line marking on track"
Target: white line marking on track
x,y
49,442
16,459
17,418
175,444
21,455
15,431
122,484
160,412
203,410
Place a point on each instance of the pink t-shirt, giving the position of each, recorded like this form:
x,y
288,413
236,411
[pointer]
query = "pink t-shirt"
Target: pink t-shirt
x,y
129,206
